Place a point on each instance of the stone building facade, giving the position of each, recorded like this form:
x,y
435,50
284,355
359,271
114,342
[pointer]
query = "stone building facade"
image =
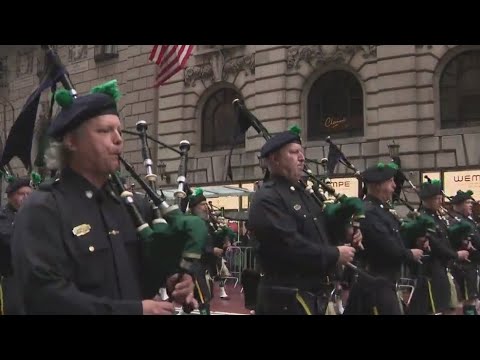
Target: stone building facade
x,y
424,97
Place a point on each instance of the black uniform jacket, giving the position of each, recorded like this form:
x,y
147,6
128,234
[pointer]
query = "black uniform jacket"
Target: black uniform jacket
x,y
442,250
434,269
7,217
475,235
385,250
291,232
75,251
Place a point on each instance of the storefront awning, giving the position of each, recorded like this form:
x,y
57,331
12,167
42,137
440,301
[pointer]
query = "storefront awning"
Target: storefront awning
x,y
214,191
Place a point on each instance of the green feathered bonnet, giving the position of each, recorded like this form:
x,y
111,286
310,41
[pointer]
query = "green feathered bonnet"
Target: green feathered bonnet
x,y
292,135
16,183
462,196
379,173
430,189
102,100
196,198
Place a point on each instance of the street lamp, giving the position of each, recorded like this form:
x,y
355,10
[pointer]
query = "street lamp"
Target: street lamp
x,y
394,151
163,173
162,168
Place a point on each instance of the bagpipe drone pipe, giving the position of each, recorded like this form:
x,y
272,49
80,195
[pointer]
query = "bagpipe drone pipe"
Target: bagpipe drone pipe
x,y
178,239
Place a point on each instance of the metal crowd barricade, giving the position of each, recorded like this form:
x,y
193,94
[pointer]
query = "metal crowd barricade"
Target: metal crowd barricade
x,y
239,258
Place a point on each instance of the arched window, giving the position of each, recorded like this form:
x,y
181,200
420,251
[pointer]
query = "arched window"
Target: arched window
x,y
335,106
219,122
460,91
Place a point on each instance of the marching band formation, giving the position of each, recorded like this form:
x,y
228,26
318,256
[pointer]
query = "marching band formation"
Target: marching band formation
x,y
83,242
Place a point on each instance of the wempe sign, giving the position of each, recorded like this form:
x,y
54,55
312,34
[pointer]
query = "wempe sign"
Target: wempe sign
x,y
461,180
348,186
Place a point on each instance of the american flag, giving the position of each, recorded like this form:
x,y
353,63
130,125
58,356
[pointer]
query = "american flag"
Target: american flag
x,y
170,59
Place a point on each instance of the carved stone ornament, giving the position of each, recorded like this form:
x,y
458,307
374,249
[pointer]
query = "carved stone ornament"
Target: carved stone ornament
x,y
77,52
3,71
24,63
216,69
321,54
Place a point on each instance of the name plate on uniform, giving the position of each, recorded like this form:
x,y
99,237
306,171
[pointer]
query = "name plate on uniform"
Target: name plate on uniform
x,y
346,185
462,180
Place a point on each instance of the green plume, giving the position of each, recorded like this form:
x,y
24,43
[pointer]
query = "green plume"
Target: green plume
x,y
469,192
36,178
433,182
10,179
343,211
459,232
295,129
63,98
380,165
226,231
393,166
198,192
110,88
417,227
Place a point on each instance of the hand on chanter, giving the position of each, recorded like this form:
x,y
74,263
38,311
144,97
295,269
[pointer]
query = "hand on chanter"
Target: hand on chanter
x,y
181,289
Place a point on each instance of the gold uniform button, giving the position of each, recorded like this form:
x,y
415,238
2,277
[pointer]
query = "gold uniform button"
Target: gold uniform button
x,y
91,248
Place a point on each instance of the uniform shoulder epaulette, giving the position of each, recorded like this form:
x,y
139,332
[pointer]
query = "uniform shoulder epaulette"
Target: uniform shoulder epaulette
x,y
369,205
48,184
268,183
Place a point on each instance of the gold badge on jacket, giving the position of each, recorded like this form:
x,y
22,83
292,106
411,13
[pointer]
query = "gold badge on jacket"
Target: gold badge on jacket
x,y
297,207
81,230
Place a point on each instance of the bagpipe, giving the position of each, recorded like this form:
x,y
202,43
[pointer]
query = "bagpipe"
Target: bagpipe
x,y
173,242
178,238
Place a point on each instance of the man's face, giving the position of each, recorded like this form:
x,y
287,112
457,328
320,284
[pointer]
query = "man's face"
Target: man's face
x,y
201,210
96,144
465,208
384,189
17,198
388,187
434,203
289,161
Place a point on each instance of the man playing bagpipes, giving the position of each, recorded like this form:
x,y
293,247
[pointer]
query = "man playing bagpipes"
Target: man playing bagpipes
x,y
75,247
17,191
295,242
385,251
465,273
435,291
220,239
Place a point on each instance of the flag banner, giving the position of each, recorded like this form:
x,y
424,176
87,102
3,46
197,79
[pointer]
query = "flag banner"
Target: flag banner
x,y
20,137
170,60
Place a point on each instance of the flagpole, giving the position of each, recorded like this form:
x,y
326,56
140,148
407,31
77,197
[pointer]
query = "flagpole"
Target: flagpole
x,y
155,119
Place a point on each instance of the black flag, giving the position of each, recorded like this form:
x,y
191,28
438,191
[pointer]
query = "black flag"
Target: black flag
x,y
335,156
242,124
399,179
19,140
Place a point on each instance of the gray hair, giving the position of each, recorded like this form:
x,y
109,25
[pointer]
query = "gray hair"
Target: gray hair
x,y
56,156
